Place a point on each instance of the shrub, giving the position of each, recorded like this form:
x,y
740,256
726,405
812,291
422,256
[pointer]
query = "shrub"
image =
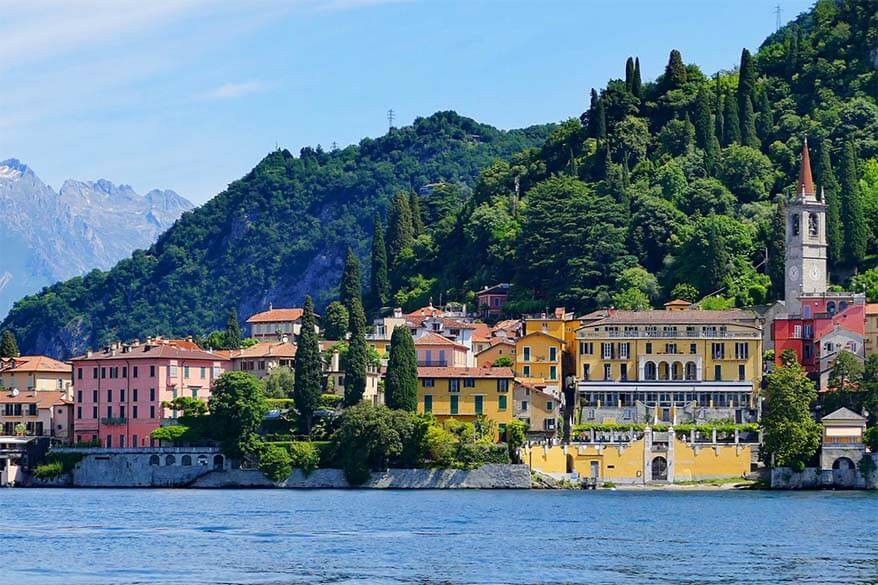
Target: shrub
x,y
170,434
440,446
304,456
330,400
280,403
57,464
49,470
275,462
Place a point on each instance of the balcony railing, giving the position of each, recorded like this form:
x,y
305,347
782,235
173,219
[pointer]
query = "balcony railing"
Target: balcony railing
x,y
669,334
433,363
114,420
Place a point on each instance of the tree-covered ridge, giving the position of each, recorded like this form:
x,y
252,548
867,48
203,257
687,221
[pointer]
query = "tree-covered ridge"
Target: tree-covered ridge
x,y
667,187
277,234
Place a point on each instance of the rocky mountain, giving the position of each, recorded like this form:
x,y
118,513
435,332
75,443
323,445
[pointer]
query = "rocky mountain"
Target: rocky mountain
x,y
47,236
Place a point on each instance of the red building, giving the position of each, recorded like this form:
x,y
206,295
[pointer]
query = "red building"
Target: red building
x,y
816,324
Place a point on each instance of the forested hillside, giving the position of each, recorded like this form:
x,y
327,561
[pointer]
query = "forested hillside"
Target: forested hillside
x,y
278,233
670,187
660,188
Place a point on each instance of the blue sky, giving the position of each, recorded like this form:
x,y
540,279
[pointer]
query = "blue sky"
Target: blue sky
x,y
190,94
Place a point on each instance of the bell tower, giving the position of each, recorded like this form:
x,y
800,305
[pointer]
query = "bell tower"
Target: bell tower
x,y
805,258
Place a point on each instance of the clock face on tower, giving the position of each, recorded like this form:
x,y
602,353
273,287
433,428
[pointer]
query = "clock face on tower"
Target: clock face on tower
x,y
794,273
814,273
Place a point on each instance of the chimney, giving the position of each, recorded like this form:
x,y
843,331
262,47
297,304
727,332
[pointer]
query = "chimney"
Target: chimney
x,y
397,313
88,353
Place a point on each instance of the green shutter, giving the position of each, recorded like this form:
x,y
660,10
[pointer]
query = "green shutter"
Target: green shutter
x,y
454,404
501,402
480,403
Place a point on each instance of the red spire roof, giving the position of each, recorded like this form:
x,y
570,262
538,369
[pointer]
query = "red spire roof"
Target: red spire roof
x,y
806,182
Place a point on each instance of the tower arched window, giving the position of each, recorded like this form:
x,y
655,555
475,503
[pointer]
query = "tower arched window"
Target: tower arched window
x,y
796,224
813,225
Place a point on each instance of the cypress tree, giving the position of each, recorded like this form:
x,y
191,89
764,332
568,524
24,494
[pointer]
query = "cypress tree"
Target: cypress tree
x,y
357,357
765,119
712,156
400,232
718,258
777,251
675,72
746,81
349,288
828,185
233,331
852,214
731,125
8,345
417,218
748,125
401,382
380,286
629,75
590,117
703,123
309,372
636,84
792,52
718,110
601,121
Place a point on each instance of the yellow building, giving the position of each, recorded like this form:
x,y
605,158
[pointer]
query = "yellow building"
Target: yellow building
x,y
39,413
538,407
644,457
465,393
871,328
539,357
673,366
498,348
36,372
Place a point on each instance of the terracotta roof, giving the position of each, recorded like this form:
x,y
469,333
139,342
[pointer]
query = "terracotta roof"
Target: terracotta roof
x,y
276,316
427,311
677,303
34,363
806,183
43,398
430,338
497,289
450,372
146,351
418,321
265,349
481,332
677,317
872,309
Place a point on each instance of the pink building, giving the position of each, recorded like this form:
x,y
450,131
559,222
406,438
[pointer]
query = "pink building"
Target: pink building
x,y
119,392
436,351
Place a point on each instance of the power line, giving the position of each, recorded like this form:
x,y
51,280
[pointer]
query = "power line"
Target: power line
x,y
390,117
777,12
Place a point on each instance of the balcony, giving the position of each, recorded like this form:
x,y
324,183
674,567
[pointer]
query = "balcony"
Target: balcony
x,y
432,363
113,420
669,335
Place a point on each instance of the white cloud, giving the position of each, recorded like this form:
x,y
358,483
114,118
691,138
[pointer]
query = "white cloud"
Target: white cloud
x,y
235,90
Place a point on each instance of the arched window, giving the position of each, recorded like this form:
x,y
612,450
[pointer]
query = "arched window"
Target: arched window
x,y
691,371
170,460
218,462
813,225
830,307
664,371
795,220
153,459
186,460
649,371
677,371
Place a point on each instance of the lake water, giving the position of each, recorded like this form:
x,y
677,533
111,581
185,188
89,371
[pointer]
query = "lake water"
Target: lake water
x,y
276,537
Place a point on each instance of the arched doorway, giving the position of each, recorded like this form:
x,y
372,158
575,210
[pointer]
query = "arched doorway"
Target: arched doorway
x,y
659,468
691,371
218,462
844,472
649,371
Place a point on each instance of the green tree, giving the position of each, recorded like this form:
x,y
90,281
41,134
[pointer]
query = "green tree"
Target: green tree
x,y
704,131
417,217
846,370
401,381
675,72
869,390
629,74
8,345
749,136
279,383
600,125
731,122
790,436
233,331
706,197
777,251
349,287
237,407
829,187
380,285
747,173
308,371
356,358
867,282
631,299
636,83
400,232
686,292
503,361
718,120
335,320
275,462
630,139
746,82
765,118
854,228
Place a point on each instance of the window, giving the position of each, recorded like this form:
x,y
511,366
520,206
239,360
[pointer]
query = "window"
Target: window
x,y
172,371
125,371
586,371
648,347
608,372
503,385
109,396
134,371
607,351
742,351
109,412
525,355
480,404
134,411
152,371
428,403
553,354
94,373
797,331
671,348
795,219
717,372
122,411
103,375
203,372
501,402
427,382
809,331
553,372
454,385
94,411
78,412
586,348
152,394
469,382
134,395
550,406
195,391
109,442
623,371
693,348
186,371
454,401
152,412
741,372
624,350
524,406
808,351
526,371
813,225
79,396
79,373
122,395
718,351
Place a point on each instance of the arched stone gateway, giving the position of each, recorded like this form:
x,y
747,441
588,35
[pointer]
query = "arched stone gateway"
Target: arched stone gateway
x,y
170,460
844,472
186,460
659,468
218,462
153,459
